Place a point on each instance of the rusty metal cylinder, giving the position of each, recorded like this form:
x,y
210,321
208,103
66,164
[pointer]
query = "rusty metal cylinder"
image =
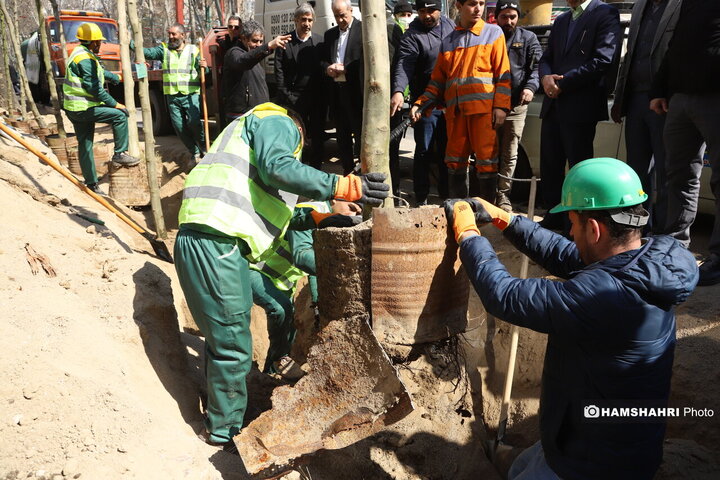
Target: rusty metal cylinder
x,y
419,289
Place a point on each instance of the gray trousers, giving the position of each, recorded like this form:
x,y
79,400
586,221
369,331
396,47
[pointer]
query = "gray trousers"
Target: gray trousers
x,y
646,154
691,120
509,137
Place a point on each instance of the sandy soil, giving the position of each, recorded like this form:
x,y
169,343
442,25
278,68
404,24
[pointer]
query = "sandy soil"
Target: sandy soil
x,y
101,381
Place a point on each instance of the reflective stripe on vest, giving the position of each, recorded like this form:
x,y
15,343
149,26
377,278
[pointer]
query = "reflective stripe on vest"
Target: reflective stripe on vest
x,y
225,192
75,97
279,268
179,73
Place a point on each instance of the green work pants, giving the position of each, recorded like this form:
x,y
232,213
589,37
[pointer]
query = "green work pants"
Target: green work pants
x,y
215,279
84,123
278,306
185,118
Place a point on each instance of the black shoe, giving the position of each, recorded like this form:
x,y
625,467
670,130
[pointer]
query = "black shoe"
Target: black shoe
x,y
95,188
710,271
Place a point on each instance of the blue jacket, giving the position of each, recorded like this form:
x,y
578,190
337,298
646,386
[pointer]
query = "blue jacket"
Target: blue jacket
x,y
524,51
584,60
611,336
415,57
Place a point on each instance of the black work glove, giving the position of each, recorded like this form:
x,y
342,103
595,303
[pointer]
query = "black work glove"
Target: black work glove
x,y
482,216
449,206
340,221
368,189
374,189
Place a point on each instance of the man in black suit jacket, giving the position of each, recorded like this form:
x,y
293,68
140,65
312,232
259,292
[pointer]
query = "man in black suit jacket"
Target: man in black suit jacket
x,y
582,48
299,78
342,61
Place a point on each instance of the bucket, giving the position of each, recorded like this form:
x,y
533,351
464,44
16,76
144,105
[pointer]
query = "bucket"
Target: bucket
x,y
419,289
60,145
536,12
129,185
102,157
73,160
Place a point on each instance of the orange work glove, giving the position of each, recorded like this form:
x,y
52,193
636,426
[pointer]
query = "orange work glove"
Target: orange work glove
x,y
460,214
487,212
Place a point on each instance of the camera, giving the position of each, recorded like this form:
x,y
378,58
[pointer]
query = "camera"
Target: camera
x,y
591,411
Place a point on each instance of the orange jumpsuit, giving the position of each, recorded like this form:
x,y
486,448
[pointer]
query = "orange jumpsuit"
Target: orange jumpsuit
x,y
471,77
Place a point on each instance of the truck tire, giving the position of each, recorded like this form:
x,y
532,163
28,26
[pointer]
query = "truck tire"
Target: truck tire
x,y
160,114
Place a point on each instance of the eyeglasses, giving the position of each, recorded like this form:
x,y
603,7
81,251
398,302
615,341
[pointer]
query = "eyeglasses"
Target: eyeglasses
x,y
233,27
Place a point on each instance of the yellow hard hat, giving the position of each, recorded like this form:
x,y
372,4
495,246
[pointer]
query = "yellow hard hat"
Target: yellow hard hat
x,y
88,32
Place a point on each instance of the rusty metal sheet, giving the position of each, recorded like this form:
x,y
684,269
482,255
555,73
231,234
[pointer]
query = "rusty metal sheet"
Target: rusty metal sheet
x,y
351,392
419,289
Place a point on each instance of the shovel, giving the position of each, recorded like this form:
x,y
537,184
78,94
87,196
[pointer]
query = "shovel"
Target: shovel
x,y
497,444
203,95
159,246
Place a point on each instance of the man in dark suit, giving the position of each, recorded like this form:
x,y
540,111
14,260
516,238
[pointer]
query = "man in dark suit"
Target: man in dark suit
x,y
299,79
342,61
583,46
651,28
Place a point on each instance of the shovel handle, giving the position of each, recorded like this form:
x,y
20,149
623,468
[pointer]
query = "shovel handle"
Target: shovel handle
x,y
203,95
515,330
72,179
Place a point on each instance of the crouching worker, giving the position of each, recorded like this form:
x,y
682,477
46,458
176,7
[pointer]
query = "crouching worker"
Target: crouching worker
x,y
237,204
610,324
274,280
86,102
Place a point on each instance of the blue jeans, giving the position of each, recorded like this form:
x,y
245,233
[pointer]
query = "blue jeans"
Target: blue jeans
x,y
531,465
430,139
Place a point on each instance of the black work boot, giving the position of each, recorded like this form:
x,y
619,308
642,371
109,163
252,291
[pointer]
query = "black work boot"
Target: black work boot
x,y
124,159
95,188
458,183
486,186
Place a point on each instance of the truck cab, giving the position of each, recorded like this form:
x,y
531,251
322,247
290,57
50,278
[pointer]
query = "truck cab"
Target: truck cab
x,y
71,21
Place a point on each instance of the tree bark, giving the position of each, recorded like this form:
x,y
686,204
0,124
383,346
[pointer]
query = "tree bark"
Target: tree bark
x,y
49,70
12,33
375,142
128,81
9,90
144,92
61,30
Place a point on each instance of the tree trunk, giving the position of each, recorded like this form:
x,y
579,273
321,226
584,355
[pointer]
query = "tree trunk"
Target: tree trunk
x,y
12,33
374,147
144,92
9,90
128,82
49,70
61,30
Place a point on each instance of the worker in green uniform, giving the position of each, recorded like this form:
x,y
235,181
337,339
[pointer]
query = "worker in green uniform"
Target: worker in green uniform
x,y
237,205
86,102
274,280
181,85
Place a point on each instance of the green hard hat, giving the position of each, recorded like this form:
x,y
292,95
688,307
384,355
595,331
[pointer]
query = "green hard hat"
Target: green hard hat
x,y
600,184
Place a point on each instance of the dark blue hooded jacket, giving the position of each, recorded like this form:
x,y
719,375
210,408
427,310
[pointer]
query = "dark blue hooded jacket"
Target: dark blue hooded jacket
x,y
611,336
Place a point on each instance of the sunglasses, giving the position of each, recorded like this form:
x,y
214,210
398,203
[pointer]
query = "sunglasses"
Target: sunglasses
x,y
233,27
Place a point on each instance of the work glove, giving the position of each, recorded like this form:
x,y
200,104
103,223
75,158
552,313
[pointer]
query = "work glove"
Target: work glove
x,y
368,188
486,212
123,109
460,215
338,220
